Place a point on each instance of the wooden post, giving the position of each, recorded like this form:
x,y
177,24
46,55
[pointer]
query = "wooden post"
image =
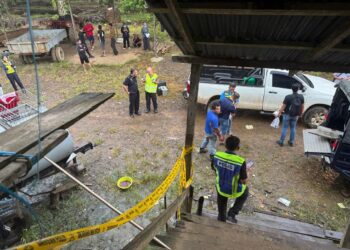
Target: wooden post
x,y
345,242
191,117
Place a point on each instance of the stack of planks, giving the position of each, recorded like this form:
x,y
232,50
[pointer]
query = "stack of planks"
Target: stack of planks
x,y
23,139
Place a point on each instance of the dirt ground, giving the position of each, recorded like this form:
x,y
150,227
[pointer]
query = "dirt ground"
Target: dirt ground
x,y
146,147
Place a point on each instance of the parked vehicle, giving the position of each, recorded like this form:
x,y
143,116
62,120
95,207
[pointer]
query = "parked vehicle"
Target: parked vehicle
x,y
65,22
264,89
331,141
46,42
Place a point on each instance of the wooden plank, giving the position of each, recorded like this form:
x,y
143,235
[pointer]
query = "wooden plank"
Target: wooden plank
x,y
283,224
291,65
345,242
60,117
143,238
266,9
18,168
180,20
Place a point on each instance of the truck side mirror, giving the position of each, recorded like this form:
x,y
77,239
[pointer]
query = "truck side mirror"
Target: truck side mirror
x,y
303,89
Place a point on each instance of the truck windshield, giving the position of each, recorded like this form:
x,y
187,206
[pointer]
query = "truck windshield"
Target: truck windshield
x,y
305,79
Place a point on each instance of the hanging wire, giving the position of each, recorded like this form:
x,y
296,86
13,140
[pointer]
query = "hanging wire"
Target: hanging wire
x,y
38,89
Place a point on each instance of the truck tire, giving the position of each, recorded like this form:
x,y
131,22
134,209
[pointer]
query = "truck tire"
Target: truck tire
x,y
29,59
23,59
53,54
59,54
315,116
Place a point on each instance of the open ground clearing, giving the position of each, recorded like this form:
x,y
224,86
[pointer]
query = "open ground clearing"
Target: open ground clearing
x,y
146,147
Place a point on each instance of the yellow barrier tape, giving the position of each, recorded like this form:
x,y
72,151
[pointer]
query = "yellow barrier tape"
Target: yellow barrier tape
x,y
143,206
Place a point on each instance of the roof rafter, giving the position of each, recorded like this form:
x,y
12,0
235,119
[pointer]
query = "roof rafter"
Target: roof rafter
x,y
180,20
252,9
333,39
267,45
291,65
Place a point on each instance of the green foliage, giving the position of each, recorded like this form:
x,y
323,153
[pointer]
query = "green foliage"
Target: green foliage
x,y
127,6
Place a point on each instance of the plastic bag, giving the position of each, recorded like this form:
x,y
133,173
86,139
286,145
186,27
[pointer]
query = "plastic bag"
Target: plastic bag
x,y
275,123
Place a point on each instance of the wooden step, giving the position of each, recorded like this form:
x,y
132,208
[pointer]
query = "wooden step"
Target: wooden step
x,y
199,232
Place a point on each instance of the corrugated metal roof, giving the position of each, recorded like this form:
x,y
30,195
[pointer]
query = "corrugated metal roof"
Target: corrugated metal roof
x,y
260,28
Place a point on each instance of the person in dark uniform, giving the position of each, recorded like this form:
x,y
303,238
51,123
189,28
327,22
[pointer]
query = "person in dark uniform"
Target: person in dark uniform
x,y
126,35
130,86
231,179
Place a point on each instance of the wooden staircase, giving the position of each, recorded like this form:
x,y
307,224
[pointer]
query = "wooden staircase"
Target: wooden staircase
x,y
202,232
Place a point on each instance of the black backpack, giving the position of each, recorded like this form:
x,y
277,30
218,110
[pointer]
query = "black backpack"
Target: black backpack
x,y
295,106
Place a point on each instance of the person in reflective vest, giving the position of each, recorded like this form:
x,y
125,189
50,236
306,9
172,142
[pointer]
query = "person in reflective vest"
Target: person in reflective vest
x,y
10,70
151,84
231,178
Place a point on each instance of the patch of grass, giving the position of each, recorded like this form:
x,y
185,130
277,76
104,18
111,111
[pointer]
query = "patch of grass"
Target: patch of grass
x,y
98,141
333,218
112,131
69,215
116,152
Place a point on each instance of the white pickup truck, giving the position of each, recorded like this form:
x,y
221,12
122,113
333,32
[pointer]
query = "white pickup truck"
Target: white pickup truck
x,y
264,89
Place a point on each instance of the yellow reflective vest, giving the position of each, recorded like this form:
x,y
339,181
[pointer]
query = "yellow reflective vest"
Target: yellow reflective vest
x,y
151,83
228,167
9,69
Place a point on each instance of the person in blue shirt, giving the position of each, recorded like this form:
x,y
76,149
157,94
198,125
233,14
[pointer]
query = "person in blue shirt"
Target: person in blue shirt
x,y
211,130
227,110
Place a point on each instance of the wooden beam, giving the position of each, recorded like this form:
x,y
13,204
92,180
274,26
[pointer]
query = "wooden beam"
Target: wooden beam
x,y
191,118
25,136
345,242
253,9
18,168
143,238
264,64
336,37
179,19
267,45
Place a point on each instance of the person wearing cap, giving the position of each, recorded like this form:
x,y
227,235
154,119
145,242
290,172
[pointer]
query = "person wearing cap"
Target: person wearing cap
x,y
10,70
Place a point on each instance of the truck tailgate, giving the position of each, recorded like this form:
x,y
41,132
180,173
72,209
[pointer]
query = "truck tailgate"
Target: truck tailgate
x,y
315,144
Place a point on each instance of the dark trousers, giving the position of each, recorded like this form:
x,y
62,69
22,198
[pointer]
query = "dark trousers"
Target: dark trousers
x,y
152,96
134,99
87,50
114,47
15,79
126,41
237,207
146,43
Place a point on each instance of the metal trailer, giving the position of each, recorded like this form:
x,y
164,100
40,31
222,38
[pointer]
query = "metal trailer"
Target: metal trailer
x,y
45,43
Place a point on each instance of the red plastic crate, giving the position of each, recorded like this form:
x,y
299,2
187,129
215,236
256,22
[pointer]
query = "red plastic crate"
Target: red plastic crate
x,y
9,101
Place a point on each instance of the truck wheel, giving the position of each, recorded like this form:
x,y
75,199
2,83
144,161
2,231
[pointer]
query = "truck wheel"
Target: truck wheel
x,y
59,54
53,54
29,59
23,59
315,116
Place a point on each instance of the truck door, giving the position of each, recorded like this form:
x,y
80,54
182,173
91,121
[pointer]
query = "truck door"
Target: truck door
x,y
251,90
278,85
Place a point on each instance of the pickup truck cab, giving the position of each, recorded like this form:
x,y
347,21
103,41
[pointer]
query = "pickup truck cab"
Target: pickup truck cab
x,y
264,89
